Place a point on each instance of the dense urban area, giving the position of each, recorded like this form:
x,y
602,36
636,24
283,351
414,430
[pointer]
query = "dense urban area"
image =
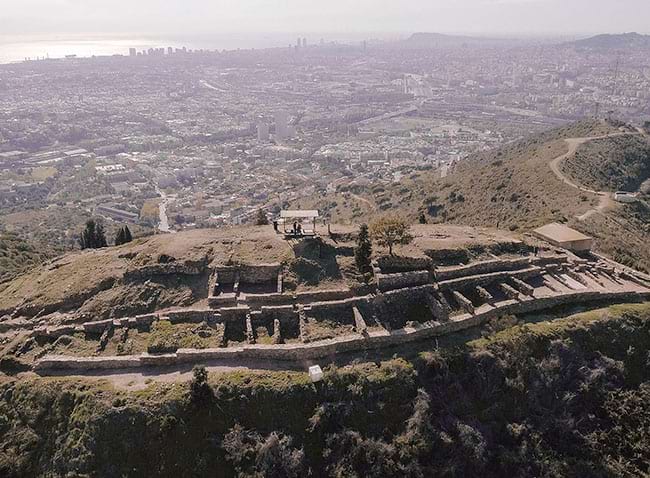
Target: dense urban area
x,y
169,139
425,257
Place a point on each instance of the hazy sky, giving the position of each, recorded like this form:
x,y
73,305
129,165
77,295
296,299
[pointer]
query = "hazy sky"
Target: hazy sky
x,y
305,16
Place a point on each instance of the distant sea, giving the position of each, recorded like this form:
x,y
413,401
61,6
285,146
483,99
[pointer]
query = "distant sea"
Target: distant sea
x,y
19,48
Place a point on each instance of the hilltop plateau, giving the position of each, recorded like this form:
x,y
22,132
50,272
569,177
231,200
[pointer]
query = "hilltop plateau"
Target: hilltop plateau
x,y
94,281
170,270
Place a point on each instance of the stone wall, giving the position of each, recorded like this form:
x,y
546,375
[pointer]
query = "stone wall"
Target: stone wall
x,y
483,267
279,312
327,348
259,273
447,255
258,300
172,268
191,315
394,264
323,295
226,274
485,279
248,274
402,279
222,300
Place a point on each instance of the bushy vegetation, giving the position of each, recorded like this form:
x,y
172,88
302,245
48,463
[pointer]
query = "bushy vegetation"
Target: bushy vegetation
x,y
165,337
612,164
261,219
564,398
389,231
17,255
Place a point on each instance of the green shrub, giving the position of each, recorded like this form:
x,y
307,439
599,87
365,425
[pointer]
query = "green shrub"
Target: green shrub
x,y
162,338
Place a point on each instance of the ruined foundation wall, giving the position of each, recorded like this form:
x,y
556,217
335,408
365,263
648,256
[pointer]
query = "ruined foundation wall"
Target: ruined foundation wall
x,y
485,279
402,280
352,343
171,268
395,264
248,274
484,267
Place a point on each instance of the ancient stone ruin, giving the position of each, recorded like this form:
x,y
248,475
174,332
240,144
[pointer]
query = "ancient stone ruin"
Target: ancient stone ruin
x,y
251,314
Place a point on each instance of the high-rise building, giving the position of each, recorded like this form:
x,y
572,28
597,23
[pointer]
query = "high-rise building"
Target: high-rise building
x,y
132,52
170,50
304,43
281,125
298,43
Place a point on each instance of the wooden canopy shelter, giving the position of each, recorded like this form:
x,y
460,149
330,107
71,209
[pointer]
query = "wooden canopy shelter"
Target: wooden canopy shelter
x,y
296,219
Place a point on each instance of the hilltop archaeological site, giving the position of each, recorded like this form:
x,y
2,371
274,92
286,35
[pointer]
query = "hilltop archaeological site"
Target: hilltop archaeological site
x,y
207,296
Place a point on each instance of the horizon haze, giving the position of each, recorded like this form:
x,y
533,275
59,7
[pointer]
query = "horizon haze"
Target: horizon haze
x,y
198,17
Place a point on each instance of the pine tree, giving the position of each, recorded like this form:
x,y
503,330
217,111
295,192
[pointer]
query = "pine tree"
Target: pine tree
x,y
100,240
123,236
363,251
119,237
87,239
93,236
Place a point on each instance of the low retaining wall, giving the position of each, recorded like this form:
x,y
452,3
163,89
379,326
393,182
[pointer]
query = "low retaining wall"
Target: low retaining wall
x,y
222,300
323,295
483,267
170,268
257,300
352,343
402,280
259,273
396,264
485,279
191,315
279,312
248,274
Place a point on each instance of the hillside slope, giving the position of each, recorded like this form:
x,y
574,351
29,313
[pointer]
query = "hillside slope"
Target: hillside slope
x,y
611,164
17,255
565,398
614,41
514,187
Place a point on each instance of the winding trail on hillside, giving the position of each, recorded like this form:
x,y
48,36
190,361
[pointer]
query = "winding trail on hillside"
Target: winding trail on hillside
x,y
364,200
606,200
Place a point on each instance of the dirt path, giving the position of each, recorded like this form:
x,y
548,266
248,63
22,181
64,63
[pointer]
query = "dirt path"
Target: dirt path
x,y
140,378
363,200
606,201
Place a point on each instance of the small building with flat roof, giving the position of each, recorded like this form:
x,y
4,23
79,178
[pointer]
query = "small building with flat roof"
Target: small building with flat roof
x,y
563,236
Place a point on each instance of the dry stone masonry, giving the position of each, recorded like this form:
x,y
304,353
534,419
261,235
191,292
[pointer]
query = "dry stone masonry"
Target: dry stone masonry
x,y
414,299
